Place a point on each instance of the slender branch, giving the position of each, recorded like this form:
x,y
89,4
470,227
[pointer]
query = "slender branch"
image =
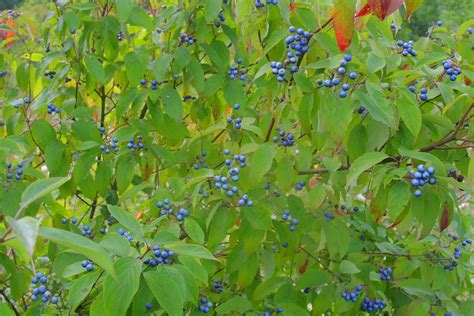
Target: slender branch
x,y
270,128
2,292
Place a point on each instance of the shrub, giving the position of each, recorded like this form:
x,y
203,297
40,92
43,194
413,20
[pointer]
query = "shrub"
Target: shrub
x,y
234,157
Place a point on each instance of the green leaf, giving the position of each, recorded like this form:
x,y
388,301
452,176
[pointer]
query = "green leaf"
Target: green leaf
x,y
313,278
363,163
211,9
81,287
374,63
238,304
124,7
116,244
416,287
196,251
268,287
135,68
427,157
118,292
26,229
127,220
172,103
40,188
79,244
194,230
348,267
94,68
139,17
378,109
261,162
409,111
170,297
5,310
124,172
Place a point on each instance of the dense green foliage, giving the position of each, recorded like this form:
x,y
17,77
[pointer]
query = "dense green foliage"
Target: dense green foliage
x,y
175,160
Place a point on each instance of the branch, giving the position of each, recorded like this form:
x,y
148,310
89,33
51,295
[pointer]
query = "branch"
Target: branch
x,y
2,292
450,136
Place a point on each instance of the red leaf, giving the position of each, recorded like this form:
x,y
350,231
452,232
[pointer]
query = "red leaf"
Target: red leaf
x,y
383,8
303,267
343,22
412,5
364,11
292,7
444,219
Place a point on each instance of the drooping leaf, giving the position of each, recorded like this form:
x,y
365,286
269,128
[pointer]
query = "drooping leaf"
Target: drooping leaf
x,y
26,229
80,244
118,292
412,6
383,8
343,22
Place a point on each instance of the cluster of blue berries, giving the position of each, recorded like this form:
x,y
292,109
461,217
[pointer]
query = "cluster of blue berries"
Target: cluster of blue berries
x,y
406,48
237,122
122,232
218,287
245,201
297,46
135,145
372,306
203,193
352,296
201,163
52,109
88,265
162,256
259,3
19,171
120,36
236,72
421,176
25,100
113,146
301,185
278,310
278,70
154,84
42,291
205,305
385,274
50,74
166,208
328,216
221,19
185,38
452,70
3,73
342,71
291,220
148,306
287,140
87,232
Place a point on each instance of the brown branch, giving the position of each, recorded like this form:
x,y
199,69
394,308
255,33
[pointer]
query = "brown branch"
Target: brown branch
x,y
270,128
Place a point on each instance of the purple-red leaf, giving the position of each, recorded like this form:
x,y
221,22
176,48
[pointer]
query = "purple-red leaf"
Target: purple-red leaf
x,y
444,218
383,8
343,22
412,5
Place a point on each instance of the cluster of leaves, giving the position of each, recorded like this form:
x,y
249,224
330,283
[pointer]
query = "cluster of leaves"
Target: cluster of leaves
x,y
137,196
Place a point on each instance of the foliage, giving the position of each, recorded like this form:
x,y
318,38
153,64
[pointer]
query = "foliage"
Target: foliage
x,y
179,158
